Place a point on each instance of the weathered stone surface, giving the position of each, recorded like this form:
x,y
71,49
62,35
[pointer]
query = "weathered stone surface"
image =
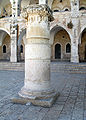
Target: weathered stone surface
x,y
37,84
67,107
48,102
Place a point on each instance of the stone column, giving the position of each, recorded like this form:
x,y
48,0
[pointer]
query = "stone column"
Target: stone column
x,y
43,2
75,30
74,51
37,84
75,41
14,38
14,32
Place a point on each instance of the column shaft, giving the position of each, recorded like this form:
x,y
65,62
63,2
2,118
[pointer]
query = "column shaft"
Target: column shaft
x,y
14,38
74,53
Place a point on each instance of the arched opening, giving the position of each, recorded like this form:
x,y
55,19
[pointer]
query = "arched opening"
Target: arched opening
x,y
68,48
60,38
82,47
57,51
82,8
21,46
66,9
60,4
56,11
4,49
21,49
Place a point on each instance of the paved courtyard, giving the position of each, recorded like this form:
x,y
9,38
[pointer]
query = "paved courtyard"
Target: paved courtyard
x,y
71,105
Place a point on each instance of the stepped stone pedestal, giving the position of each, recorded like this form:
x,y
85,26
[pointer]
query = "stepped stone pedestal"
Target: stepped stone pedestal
x,y
37,85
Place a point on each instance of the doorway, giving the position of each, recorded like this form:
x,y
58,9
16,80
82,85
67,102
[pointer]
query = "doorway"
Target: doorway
x,y
57,51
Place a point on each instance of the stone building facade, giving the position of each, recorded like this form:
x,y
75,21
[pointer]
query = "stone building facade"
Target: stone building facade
x,y
67,30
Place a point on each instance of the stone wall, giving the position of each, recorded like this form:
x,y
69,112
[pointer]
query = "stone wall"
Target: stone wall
x,y
57,5
5,56
82,47
63,39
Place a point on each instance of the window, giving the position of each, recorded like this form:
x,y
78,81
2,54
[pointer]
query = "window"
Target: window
x,y
56,11
4,49
60,0
21,48
63,36
82,8
68,48
66,9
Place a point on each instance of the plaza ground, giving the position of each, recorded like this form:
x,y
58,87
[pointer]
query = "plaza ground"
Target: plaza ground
x,y
71,104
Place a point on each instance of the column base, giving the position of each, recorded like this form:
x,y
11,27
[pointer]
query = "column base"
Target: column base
x,y
37,94
40,98
75,59
13,60
39,102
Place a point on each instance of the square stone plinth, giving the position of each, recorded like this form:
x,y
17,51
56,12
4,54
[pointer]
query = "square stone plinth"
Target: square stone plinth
x,y
39,102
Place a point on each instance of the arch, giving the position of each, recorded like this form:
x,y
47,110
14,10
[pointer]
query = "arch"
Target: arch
x,y
57,9
82,45
55,28
82,29
80,34
59,34
82,8
21,36
3,34
4,30
66,8
68,48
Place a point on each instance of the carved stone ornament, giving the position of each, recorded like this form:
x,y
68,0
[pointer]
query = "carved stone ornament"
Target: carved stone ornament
x,y
41,10
70,25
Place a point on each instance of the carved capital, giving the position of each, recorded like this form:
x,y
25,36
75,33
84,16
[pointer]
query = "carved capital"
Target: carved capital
x,y
38,10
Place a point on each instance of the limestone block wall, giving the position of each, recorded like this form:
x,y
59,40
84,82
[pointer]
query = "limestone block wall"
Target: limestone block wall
x,y
82,3
5,9
63,39
82,47
5,56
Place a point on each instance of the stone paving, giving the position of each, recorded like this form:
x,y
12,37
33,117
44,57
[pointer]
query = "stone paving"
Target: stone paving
x,y
71,105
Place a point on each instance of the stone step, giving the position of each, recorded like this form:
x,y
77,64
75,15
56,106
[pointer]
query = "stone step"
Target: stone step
x,y
55,67
12,66
68,67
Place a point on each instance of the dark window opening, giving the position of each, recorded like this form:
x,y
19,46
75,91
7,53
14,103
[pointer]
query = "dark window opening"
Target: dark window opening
x,y
82,8
60,0
4,49
66,10
56,10
68,48
57,51
75,4
21,48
